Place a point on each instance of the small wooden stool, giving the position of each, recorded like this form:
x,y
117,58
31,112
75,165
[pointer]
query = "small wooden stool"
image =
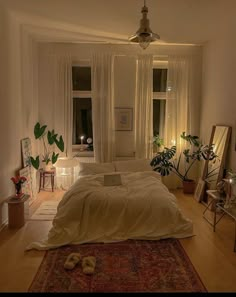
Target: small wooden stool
x,y
43,174
16,211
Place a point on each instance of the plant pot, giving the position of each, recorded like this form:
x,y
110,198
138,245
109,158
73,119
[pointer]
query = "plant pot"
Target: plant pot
x,y
46,167
189,186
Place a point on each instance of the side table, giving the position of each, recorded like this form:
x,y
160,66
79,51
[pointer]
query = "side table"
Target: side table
x,y
43,174
214,196
16,211
231,211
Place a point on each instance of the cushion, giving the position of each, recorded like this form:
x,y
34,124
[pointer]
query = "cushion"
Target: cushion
x,y
95,168
133,165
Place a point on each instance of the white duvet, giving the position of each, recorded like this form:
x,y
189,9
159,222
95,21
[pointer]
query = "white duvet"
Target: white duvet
x,y
141,208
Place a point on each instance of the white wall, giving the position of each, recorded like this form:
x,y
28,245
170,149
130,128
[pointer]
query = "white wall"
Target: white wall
x,y
17,101
219,96
4,108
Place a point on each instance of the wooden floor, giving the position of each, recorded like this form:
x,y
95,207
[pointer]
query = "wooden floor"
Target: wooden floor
x,y
210,252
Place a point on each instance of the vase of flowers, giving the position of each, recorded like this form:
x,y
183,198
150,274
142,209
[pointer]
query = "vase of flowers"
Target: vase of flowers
x,y
18,181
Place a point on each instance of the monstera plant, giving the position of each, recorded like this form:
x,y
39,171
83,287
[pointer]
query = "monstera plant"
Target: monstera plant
x,y
165,161
49,140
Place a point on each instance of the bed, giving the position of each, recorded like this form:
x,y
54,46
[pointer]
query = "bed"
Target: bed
x,y
140,208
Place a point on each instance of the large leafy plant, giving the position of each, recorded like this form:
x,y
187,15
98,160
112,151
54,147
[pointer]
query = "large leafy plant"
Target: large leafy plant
x,y
49,140
165,161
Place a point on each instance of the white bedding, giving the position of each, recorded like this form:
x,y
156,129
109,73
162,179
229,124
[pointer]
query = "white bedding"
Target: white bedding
x,y
141,208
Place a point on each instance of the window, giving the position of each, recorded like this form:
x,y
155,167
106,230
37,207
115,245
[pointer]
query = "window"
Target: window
x,y
82,104
159,97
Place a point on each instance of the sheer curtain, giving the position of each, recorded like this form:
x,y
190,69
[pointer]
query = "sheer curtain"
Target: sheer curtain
x,y
63,104
144,107
180,107
103,106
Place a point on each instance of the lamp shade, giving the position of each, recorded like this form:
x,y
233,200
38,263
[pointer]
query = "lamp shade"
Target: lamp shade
x,y
144,35
66,163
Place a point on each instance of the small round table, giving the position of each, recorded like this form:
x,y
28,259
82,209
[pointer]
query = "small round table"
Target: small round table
x,y
43,174
16,211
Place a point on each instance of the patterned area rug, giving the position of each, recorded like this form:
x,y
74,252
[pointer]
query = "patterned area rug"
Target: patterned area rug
x,y
130,266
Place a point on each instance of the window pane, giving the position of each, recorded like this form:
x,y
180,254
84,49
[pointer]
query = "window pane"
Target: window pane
x,y
82,119
159,80
159,111
81,77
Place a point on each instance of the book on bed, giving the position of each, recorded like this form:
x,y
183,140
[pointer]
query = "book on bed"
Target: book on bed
x,y
112,180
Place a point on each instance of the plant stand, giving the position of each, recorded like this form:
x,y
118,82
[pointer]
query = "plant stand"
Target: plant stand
x,y
16,211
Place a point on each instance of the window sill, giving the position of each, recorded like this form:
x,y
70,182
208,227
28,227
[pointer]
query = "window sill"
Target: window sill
x,y
83,154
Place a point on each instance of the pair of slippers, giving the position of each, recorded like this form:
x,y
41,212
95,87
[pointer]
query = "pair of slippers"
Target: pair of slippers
x,y
88,263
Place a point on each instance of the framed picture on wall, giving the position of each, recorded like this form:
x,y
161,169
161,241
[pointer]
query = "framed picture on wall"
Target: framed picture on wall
x,y
26,151
123,119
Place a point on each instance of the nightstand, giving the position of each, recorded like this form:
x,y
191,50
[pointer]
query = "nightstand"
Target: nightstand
x,y
16,211
214,197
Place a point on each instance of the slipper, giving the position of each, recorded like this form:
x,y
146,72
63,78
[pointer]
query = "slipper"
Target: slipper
x,y
88,264
72,260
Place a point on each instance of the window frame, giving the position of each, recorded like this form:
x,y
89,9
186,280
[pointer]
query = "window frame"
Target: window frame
x,y
160,64
81,95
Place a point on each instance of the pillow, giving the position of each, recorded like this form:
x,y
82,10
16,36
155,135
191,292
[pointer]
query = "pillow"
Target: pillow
x,y
133,165
95,168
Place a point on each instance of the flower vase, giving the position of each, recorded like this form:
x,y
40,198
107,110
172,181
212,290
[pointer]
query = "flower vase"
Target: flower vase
x,y
18,189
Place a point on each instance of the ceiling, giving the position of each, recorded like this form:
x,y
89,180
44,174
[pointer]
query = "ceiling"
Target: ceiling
x,y
176,21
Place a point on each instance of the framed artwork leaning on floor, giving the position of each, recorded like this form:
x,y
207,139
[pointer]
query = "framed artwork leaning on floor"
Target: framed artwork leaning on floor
x,y
199,191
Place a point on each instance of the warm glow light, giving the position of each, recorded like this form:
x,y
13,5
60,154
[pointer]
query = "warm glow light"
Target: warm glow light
x,y
82,138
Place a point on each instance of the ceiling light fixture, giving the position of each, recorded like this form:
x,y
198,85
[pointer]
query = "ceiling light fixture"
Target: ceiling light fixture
x,y
144,35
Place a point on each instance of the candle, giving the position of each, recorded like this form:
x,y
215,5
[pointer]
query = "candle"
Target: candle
x,y
81,138
230,182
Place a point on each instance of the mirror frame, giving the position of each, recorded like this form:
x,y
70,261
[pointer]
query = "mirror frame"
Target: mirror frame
x,y
223,158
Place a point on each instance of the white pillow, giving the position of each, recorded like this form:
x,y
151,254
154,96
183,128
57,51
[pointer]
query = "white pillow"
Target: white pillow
x,y
133,165
95,168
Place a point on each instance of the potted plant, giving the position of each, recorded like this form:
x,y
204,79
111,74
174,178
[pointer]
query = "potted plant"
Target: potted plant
x,y
158,142
165,163
49,140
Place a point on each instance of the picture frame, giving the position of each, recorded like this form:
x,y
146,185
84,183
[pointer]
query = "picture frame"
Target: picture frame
x,y
123,119
27,186
26,151
199,191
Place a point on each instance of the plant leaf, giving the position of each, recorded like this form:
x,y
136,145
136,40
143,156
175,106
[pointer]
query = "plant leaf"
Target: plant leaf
x,y
35,162
50,137
60,143
192,139
39,131
54,157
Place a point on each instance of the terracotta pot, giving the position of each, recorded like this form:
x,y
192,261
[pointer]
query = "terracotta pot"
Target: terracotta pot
x,y
189,186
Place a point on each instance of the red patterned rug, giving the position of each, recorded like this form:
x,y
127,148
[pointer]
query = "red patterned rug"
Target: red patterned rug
x,y
130,266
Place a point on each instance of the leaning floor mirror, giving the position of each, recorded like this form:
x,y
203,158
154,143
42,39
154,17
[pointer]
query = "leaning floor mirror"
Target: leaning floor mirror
x,y
213,170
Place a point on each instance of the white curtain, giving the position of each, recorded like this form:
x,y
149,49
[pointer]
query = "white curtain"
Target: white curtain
x,y
103,106
181,109
63,104
144,108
